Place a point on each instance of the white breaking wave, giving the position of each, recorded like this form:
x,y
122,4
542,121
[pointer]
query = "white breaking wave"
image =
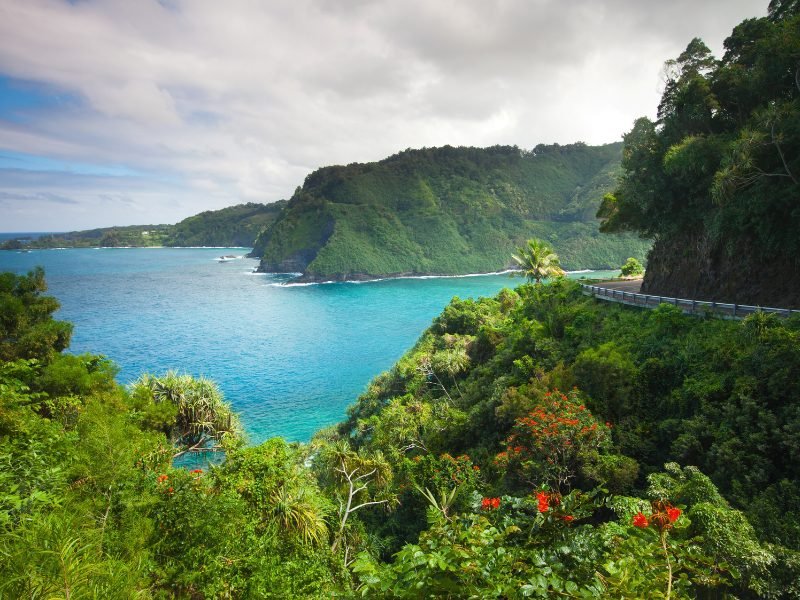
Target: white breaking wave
x,y
304,284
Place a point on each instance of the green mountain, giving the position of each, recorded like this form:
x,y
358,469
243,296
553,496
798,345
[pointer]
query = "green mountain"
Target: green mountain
x,y
447,211
231,226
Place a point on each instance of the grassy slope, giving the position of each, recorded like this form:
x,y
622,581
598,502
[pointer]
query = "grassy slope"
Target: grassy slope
x,y
448,210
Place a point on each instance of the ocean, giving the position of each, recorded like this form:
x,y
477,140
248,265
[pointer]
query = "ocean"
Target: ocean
x,y
290,359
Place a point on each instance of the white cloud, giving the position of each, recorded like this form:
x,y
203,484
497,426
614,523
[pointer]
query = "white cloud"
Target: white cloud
x,y
238,101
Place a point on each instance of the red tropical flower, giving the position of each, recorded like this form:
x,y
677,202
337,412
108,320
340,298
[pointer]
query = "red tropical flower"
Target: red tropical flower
x,y
490,503
161,478
544,501
673,514
568,518
639,520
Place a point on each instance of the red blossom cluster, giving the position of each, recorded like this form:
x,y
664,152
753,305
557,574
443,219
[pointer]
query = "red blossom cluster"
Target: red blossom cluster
x,y
490,503
456,467
196,471
662,517
553,434
544,501
161,478
548,500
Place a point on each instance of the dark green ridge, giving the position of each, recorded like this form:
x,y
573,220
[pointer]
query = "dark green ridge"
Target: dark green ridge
x,y
231,226
448,211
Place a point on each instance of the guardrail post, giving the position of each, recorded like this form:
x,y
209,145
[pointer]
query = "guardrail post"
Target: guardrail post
x,y
734,310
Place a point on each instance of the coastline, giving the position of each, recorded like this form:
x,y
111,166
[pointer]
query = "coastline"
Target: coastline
x,y
358,278
32,249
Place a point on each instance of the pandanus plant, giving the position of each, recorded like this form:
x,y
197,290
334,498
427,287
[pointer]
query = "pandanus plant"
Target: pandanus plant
x,y
203,419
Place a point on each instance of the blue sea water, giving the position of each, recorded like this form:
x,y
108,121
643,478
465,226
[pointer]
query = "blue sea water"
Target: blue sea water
x,y
290,359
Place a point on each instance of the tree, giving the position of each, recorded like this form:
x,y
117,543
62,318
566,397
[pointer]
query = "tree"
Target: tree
x,y
356,481
550,444
27,327
202,419
632,268
537,261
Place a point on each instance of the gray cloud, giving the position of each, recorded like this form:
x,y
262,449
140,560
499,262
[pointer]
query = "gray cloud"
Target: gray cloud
x,y
38,197
216,103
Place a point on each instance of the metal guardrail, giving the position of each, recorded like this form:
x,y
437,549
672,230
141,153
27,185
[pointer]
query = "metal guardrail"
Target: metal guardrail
x,y
735,311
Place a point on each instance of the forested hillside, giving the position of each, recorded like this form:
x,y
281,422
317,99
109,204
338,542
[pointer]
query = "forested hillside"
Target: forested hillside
x,y
716,178
231,226
447,211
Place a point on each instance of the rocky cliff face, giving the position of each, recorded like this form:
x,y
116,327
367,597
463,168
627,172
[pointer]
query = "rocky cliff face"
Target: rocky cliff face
x,y
689,266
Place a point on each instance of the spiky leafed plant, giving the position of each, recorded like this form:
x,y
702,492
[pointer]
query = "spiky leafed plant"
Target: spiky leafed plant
x,y
202,414
537,261
299,511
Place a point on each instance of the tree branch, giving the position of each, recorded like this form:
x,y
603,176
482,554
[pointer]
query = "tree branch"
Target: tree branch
x,y
780,153
355,508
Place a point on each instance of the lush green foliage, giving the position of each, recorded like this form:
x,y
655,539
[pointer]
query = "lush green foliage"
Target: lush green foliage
x,y
26,329
632,268
91,508
447,210
716,178
191,411
462,472
653,387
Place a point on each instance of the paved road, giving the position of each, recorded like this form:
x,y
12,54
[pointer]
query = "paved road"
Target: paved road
x,y
626,285
629,292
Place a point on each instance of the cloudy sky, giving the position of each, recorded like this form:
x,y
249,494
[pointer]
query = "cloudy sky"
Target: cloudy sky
x,y
117,112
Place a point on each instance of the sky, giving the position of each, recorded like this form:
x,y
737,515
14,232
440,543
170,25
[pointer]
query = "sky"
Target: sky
x,y
119,112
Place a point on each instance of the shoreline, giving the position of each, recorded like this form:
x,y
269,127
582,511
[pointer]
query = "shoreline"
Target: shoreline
x,y
23,250
304,280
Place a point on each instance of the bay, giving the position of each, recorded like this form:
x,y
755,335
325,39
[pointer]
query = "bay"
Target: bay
x,y
290,359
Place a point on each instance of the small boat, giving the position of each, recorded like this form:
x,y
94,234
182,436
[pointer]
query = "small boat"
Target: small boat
x,y
228,258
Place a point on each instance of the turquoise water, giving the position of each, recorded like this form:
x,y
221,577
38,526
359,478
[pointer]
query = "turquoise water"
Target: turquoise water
x,y
289,358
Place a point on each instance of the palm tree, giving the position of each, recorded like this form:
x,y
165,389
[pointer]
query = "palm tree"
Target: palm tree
x,y
537,261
